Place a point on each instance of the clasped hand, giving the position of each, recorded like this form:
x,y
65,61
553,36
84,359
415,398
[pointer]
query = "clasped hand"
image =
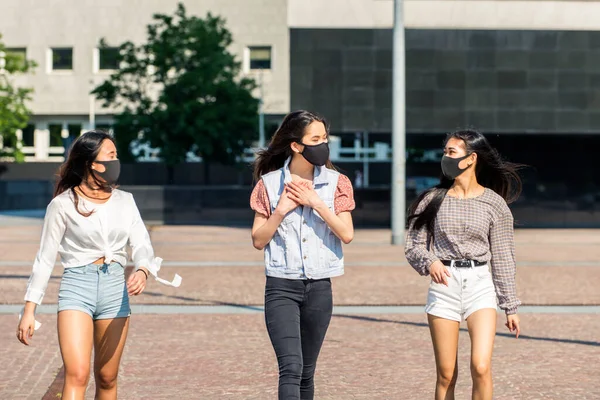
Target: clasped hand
x,y
298,194
303,194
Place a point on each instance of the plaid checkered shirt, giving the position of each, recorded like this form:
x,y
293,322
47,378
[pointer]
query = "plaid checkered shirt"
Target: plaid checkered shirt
x,y
479,229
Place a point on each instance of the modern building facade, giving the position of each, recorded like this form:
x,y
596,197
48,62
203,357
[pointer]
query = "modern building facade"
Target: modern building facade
x,y
63,38
525,72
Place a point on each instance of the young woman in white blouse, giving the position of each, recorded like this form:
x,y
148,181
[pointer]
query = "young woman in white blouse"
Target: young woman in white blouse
x,y
90,223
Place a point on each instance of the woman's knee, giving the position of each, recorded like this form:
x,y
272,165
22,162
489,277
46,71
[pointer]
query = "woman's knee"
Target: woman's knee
x,y
446,377
480,369
77,375
106,379
291,370
308,372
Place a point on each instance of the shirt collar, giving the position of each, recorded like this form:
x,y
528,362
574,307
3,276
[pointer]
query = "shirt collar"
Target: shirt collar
x,y
319,177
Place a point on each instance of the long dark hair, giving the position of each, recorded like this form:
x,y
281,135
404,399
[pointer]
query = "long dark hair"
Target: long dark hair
x,y
492,172
291,130
78,167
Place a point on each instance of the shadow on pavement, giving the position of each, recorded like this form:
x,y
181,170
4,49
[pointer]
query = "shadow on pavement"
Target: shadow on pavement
x,y
212,302
423,325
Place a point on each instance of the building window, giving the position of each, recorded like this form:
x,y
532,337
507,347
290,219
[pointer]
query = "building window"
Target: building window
x,y
28,135
8,142
74,130
108,58
55,135
260,57
62,59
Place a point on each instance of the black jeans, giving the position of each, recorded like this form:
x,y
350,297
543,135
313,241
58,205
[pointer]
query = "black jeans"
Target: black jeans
x,y
297,313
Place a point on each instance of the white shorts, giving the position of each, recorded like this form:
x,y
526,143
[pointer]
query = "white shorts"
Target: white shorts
x,y
468,290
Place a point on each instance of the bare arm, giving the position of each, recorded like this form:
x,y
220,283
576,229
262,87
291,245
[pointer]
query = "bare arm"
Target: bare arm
x,y
264,228
341,224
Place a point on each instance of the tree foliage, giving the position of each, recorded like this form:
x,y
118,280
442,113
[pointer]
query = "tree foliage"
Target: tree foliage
x,y
181,92
14,113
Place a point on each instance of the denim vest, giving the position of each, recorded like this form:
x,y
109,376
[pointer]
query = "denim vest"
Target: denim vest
x,y
303,246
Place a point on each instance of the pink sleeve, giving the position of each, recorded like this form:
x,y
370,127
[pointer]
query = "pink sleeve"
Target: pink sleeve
x,y
259,200
344,195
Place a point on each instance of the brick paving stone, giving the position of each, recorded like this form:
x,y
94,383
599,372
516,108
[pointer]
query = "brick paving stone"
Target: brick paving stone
x,y
26,372
386,285
364,357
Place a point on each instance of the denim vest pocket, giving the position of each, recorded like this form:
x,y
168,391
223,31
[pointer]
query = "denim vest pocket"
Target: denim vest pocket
x,y
331,250
282,252
275,251
289,218
331,247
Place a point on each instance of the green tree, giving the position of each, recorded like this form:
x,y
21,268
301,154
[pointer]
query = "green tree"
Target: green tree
x,y
14,113
181,91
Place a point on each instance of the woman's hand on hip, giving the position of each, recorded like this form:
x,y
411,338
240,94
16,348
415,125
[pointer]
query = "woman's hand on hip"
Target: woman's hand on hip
x,y
137,282
439,273
513,324
304,194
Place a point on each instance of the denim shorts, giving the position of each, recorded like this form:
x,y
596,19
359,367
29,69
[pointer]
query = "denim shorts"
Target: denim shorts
x,y
468,290
95,289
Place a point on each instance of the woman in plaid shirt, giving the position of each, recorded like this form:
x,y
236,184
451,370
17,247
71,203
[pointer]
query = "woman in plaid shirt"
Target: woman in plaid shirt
x,y
457,231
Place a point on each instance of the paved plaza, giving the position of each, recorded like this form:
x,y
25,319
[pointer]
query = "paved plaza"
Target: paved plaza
x,y
207,339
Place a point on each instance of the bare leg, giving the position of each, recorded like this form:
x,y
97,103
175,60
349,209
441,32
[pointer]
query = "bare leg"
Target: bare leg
x,y
482,329
75,337
109,341
444,335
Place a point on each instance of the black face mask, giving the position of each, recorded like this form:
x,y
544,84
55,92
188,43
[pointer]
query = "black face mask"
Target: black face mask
x,y
112,171
450,167
316,154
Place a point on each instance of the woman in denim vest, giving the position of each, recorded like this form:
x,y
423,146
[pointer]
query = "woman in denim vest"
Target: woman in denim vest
x,y
302,217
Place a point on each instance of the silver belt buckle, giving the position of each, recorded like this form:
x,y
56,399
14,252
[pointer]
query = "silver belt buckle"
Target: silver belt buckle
x,y
462,263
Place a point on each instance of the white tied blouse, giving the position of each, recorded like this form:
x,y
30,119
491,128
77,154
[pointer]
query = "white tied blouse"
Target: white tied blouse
x,y
82,240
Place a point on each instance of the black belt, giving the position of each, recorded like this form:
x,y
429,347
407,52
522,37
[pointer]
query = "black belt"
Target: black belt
x,y
463,263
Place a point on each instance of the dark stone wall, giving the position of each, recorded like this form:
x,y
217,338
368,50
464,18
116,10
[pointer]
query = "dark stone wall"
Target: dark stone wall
x,y
139,173
499,81
228,205
561,186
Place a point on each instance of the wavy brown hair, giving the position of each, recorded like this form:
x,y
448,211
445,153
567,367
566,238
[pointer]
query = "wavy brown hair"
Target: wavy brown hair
x,y
291,130
78,167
